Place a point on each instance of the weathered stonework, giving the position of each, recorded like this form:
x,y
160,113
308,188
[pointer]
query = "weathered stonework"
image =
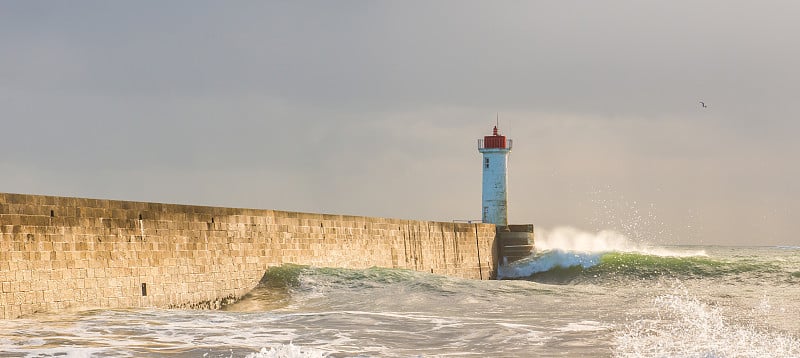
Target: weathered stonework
x,y
59,253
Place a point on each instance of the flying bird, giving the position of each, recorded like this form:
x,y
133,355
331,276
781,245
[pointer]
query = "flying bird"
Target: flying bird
x,y
703,104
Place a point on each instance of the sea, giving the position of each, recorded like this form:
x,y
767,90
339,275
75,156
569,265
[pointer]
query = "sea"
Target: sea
x,y
593,295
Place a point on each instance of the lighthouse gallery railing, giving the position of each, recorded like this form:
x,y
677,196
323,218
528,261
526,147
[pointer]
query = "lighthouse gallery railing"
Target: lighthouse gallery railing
x,y
481,144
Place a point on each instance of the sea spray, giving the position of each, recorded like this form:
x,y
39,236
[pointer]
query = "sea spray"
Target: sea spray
x,y
566,254
687,327
564,248
608,268
288,351
572,239
737,302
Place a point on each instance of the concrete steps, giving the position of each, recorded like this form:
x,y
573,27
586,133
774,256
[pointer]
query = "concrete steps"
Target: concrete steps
x,y
515,242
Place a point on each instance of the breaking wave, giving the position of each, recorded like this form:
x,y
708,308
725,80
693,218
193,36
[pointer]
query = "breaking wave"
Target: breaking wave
x,y
575,240
567,255
688,327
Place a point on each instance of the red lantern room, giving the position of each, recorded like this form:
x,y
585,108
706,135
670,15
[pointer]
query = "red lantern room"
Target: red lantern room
x,y
495,149
495,140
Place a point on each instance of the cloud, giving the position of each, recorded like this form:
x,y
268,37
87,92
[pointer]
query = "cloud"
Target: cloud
x,y
374,108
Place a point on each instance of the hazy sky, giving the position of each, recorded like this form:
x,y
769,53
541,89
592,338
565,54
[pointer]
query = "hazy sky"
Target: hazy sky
x,y
375,107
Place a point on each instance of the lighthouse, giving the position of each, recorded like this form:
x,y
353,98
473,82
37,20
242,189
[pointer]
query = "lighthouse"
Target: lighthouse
x,y
495,149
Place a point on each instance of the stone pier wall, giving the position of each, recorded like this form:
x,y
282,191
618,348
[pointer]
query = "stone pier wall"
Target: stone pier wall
x,y
59,253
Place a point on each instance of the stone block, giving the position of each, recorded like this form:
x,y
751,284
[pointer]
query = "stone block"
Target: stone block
x,y
185,257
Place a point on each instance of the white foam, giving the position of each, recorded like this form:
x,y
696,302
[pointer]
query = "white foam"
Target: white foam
x,y
585,326
687,327
69,352
516,333
576,240
567,247
288,351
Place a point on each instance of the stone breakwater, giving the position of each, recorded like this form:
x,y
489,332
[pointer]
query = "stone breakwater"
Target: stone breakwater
x,y
60,253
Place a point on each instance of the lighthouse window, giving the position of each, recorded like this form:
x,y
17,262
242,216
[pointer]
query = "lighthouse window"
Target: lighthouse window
x,y
486,162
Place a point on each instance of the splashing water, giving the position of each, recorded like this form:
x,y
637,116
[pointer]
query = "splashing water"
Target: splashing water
x,y
735,302
637,220
288,351
575,240
567,247
687,327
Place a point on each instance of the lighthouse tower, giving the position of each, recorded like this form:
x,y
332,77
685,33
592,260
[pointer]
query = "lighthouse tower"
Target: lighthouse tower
x,y
495,149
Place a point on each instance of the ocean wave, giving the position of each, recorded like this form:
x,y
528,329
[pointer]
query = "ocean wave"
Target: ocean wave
x,y
288,351
559,266
295,276
567,254
579,241
287,286
687,327
556,260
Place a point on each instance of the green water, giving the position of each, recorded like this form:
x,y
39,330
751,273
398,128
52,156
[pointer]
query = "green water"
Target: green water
x,y
696,302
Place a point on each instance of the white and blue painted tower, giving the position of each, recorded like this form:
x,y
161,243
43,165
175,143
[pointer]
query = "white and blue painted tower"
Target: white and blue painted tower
x,y
495,149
